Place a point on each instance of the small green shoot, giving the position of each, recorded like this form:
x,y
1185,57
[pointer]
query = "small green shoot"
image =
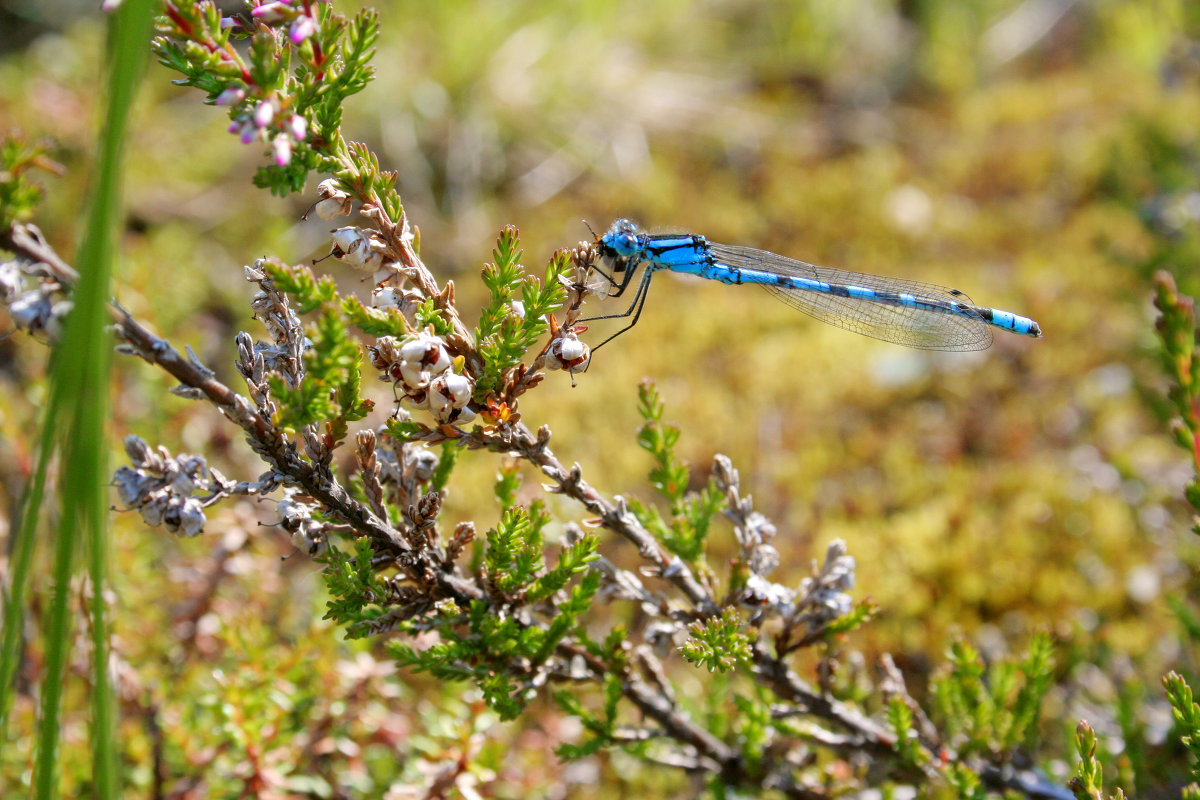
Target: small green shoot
x,y
719,643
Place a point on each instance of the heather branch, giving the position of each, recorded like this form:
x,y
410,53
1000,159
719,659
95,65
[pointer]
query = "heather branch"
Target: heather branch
x,y
659,707
272,445
26,239
614,516
788,685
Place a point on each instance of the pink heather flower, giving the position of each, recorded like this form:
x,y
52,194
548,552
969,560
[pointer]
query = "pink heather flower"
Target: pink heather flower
x,y
263,114
271,12
110,5
248,133
301,28
283,150
298,126
232,95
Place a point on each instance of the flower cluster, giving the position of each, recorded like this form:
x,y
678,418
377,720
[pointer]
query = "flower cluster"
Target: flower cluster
x,y
361,248
819,600
300,18
266,121
284,356
567,352
422,368
825,596
387,294
162,487
296,516
39,310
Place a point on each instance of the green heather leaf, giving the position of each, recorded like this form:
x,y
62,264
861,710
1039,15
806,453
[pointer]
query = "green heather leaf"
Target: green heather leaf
x,y
266,69
445,466
718,643
377,322
307,291
352,582
965,782
862,613
1088,783
19,194
908,746
357,52
405,430
514,551
1187,715
508,481
504,337
1037,669
430,316
753,726
571,561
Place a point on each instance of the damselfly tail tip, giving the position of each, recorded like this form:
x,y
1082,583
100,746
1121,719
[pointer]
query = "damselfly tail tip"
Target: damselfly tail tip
x,y
1035,330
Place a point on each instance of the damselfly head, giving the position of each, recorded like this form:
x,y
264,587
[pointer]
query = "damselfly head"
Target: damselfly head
x,y
621,241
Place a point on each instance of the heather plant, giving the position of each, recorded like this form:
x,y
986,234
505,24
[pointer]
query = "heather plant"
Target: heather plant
x,y
1177,336
524,611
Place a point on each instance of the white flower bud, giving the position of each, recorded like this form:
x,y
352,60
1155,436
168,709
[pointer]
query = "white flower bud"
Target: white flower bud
x,y
349,239
58,315
421,358
231,96
10,281
385,296
271,12
572,349
567,352
31,310
310,540
154,510
448,393
130,485
191,518
331,200
359,249
301,28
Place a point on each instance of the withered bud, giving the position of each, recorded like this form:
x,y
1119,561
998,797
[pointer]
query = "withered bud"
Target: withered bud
x,y
427,508
365,439
464,534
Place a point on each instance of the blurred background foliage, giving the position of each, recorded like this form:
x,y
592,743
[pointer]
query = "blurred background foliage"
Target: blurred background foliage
x,y
1040,155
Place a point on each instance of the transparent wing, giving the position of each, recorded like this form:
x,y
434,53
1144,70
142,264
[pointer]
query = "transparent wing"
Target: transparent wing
x,y
603,277
599,285
929,329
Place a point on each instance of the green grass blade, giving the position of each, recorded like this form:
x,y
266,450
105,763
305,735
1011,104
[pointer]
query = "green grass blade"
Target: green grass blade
x,y
77,412
25,536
